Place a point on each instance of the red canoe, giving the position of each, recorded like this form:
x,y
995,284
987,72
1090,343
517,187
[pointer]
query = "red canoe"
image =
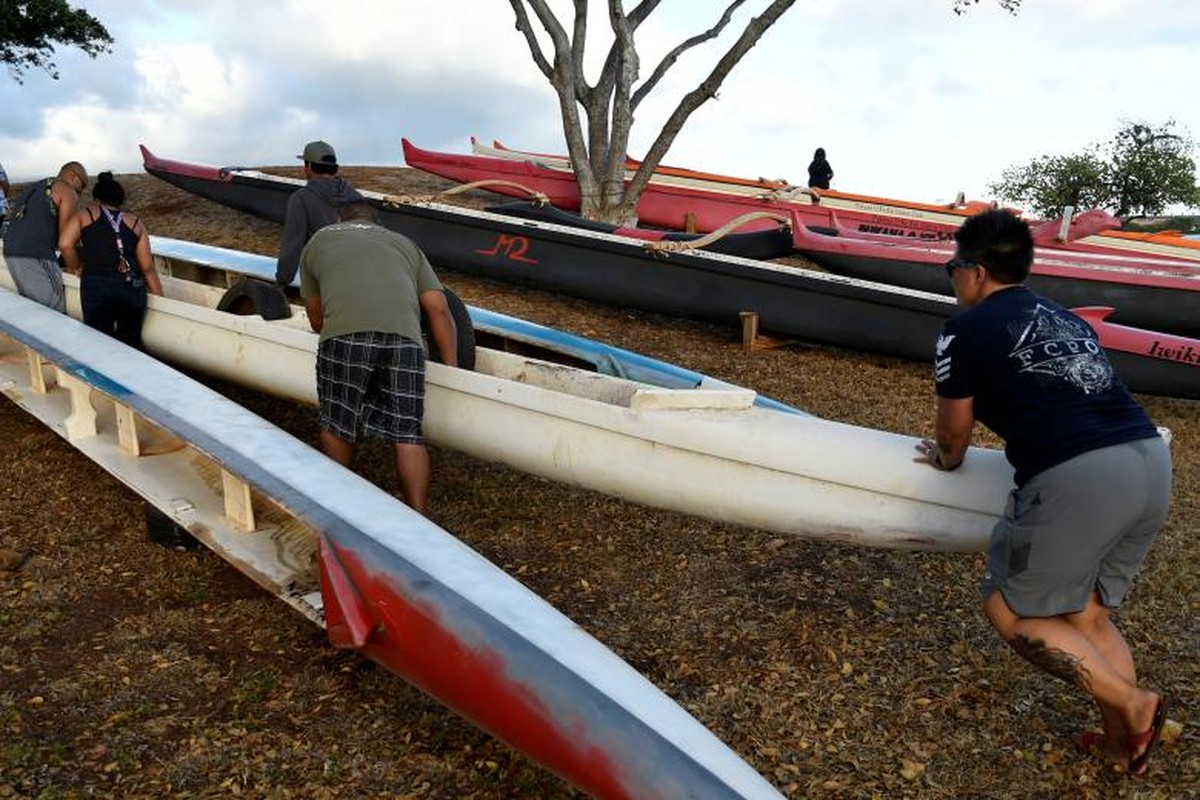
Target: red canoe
x,y
1162,297
1089,231
684,202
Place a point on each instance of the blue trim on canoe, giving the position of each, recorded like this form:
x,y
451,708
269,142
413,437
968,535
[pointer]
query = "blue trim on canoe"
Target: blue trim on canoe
x,y
649,758
607,359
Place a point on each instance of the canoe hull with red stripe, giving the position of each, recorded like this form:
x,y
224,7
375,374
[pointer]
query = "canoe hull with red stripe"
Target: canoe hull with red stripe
x,y
685,203
1163,297
391,584
1091,231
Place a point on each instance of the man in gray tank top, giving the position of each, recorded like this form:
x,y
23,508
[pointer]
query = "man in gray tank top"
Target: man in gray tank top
x,y
38,217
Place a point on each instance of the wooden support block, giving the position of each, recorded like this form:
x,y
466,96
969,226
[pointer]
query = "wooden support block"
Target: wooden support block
x,y
749,329
752,339
37,378
238,502
689,222
127,435
82,421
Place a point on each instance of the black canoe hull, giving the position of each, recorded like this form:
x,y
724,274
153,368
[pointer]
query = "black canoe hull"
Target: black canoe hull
x,y
758,244
1161,308
790,301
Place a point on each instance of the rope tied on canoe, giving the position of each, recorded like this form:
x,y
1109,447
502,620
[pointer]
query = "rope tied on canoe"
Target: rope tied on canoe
x,y
417,199
791,192
666,246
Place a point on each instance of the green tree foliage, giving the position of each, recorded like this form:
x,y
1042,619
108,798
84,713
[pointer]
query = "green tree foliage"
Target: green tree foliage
x,y
30,30
1141,171
1151,169
1048,183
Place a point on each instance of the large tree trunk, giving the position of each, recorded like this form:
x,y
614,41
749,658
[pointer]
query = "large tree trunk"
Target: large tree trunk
x,y
599,160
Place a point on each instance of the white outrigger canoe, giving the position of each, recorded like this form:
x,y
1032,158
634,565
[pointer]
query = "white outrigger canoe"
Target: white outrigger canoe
x,y
383,580
706,452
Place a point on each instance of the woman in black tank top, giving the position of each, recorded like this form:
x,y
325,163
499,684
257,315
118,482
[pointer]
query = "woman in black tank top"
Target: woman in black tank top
x,y
110,251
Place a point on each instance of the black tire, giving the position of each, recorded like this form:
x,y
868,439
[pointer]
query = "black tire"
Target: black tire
x,y
252,296
165,531
466,332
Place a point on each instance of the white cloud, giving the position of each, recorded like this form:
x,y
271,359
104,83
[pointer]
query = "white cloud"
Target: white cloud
x,y
193,82
909,99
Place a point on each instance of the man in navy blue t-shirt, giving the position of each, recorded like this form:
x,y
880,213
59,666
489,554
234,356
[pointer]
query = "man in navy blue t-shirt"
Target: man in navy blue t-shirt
x,y
1093,477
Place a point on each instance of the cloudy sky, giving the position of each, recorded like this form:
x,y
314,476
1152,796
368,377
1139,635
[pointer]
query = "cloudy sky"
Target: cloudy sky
x,y
908,99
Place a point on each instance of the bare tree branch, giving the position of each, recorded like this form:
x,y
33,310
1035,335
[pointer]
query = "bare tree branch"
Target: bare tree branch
x,y
610,104
634,19
963,6
600,161
673,56
613,181
535,49
755,28
598,103
578,46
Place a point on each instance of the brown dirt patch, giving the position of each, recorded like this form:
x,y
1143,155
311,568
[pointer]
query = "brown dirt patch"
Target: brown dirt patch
x,y
130,670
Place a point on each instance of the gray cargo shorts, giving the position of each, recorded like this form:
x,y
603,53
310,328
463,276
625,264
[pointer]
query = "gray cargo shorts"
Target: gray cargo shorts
x,y
1084,525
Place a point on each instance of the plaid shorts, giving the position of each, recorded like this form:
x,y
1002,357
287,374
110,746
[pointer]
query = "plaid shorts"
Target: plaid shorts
x,y
374,384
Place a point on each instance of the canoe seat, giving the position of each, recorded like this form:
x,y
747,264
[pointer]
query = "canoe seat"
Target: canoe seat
x,y
681,399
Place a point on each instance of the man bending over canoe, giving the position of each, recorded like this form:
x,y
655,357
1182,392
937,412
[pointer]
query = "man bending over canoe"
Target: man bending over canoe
x,y
1093,477
364,288
39,218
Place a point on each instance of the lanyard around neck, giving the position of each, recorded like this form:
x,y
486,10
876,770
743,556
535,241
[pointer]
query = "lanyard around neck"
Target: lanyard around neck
x,y
114,222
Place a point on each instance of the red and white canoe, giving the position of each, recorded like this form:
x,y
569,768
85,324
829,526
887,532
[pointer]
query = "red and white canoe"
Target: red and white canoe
x,y
884,215
685,202
382,579
1047,241
1158,296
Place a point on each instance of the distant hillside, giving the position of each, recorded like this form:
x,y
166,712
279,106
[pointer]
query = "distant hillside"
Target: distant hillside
x,y
1187,224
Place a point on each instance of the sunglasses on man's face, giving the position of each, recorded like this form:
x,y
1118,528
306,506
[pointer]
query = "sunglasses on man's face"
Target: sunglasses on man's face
x,y
959,263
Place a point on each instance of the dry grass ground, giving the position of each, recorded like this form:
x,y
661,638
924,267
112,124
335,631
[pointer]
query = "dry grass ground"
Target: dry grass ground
x,y
130,670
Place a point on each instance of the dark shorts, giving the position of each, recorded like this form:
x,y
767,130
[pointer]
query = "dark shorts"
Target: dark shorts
x,y
372,384
1082,526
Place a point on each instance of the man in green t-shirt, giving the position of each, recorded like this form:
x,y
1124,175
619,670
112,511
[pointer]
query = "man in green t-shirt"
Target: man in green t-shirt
x,y
364,288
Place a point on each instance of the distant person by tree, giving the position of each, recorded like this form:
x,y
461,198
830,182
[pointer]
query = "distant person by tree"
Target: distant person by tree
x,y
29,33
39,217
819,171
312,207
598,113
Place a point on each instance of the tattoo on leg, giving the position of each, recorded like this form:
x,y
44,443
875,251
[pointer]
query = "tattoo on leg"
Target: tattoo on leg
x,y
1058,663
